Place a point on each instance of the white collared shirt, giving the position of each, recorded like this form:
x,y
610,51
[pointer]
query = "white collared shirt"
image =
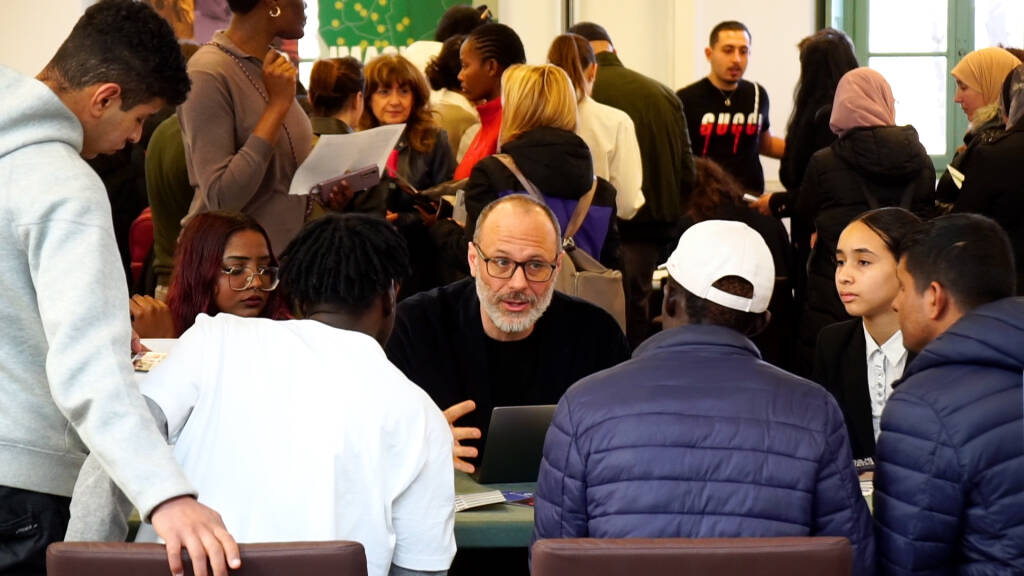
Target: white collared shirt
x,y
885,366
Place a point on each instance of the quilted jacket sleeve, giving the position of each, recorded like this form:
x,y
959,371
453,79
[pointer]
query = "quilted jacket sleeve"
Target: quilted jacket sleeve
x,y
560,509
839,507
918,492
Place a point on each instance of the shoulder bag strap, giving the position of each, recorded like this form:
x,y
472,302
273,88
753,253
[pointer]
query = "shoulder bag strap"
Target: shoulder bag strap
x,y
578,215
510,163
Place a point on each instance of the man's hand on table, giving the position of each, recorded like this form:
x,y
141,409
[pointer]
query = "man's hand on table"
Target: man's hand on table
x,y
184,522
462,433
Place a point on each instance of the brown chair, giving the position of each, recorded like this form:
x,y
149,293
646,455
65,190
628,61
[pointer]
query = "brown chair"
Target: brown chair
x,y
693,557
128,559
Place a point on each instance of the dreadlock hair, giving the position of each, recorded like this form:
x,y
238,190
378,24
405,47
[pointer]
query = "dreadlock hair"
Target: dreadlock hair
x,y
572,53
198,262
126,43
498,42
344,261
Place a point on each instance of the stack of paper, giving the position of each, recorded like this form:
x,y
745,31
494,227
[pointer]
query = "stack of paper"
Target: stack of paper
x,y
467,501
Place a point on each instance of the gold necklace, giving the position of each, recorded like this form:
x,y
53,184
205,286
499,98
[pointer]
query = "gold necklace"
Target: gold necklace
x,y
727,97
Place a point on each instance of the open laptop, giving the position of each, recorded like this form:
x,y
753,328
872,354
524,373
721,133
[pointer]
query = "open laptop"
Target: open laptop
x,y
515,444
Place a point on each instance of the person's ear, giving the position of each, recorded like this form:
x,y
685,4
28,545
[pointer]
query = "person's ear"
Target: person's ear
x,y
707,53
103,98
471,257
492,68
669,304
389,300
591,72
936,301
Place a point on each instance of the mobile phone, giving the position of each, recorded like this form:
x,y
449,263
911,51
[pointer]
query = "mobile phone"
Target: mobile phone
x,y
357,180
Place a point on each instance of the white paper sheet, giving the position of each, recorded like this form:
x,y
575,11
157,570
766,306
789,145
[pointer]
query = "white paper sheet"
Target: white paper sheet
x,y
336,154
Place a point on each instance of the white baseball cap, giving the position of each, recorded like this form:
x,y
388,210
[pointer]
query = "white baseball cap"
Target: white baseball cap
x,y
713,249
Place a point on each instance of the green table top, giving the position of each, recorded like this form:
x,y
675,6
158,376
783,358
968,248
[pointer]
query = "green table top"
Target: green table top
x,y
495,525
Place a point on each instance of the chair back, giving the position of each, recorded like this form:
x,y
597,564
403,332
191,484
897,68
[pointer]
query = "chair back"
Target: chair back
x,y
337,558
819,556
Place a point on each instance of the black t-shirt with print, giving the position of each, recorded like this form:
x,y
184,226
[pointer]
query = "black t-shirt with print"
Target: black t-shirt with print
x,y
728,134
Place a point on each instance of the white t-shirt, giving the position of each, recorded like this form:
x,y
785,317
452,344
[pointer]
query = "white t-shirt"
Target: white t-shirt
x,y
294,430
611,137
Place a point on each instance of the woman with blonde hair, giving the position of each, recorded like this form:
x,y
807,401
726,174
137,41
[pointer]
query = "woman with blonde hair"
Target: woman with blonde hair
x,y
537,134
609,132
979,78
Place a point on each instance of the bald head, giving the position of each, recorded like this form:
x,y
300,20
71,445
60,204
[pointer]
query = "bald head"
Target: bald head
x,y
510,212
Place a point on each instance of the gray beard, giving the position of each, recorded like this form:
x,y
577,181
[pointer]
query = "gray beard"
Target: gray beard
x,y
514,323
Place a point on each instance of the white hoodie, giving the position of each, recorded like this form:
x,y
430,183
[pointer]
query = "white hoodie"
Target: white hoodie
x,y
65,374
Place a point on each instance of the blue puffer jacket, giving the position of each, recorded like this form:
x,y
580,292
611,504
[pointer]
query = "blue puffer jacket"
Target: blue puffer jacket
x,y
949,490
696,437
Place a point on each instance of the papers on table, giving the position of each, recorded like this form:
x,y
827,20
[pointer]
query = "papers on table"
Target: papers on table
x,y
336,154
467,501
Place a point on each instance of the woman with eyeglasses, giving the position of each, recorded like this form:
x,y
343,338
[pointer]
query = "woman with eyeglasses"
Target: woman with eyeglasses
x,y
224,263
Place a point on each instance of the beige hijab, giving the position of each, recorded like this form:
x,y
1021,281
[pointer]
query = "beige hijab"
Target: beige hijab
x,y
985,70
863,99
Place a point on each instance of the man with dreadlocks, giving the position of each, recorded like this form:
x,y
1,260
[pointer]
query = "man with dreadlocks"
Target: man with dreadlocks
x,y
301,429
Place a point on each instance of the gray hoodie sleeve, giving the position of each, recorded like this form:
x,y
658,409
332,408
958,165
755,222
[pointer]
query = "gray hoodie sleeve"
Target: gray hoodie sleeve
x,y
99,509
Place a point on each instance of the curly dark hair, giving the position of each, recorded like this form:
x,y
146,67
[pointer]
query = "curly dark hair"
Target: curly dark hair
x,y
126,43
460,20
714,189
344,261
443,69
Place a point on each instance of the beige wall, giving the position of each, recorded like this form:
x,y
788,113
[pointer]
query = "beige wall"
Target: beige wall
x,y
665,39
32,30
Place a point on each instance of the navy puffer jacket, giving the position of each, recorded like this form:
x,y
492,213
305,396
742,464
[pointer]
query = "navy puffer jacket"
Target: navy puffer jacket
x,y
697,437
949,489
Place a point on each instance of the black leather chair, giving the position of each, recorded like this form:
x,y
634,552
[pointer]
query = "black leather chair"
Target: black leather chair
x,y
337,558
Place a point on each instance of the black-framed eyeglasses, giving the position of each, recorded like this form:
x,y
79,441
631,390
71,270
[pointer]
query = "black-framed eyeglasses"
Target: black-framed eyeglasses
x,y
240,277
504,268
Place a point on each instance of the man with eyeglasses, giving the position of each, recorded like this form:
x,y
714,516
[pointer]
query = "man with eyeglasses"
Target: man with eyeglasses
x,y
503,337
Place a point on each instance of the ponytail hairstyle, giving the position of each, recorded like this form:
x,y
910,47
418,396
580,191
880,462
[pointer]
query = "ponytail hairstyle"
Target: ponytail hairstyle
x,y
333,83
572,53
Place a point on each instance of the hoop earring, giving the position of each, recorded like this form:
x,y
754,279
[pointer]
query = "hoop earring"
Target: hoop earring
x,y
275,12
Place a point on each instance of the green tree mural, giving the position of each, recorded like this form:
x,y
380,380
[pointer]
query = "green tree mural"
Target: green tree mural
x,y
380,23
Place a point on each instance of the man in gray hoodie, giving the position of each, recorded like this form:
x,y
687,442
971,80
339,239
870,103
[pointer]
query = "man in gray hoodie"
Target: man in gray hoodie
x,y
65,374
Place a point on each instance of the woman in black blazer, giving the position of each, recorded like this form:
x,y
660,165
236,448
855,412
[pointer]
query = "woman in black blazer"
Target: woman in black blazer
x,y
866,256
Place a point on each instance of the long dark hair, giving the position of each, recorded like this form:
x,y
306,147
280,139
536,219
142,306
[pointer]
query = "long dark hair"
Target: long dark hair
x,y
572,53
892,225
198,261
825,57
